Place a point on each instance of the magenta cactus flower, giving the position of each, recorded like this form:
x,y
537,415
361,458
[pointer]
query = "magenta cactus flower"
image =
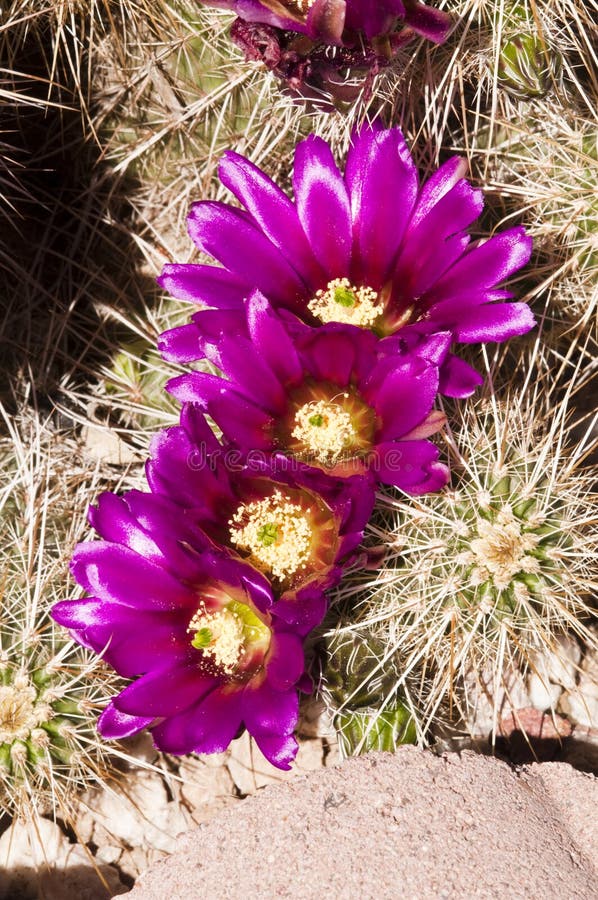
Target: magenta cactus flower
x,y
197,632
372,248
291,522
326,398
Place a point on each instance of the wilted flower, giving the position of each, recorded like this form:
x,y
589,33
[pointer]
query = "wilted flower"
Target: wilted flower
x,y
289,521
341,21
318,46
371,248
197,631
326,398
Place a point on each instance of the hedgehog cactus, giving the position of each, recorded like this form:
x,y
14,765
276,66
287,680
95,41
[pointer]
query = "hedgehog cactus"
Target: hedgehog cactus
x,y
489,572
507,541
50,688
49,695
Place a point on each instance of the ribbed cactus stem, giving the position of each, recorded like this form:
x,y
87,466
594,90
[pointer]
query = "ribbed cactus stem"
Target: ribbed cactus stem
x,y
51,690
359,689
365,730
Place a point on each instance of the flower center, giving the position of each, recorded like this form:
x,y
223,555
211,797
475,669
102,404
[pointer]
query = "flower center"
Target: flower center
x,y
341,301
225,636
501,549
325,428
276,531
18,712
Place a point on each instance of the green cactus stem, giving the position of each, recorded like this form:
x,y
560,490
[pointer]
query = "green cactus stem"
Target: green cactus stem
x,y
361,696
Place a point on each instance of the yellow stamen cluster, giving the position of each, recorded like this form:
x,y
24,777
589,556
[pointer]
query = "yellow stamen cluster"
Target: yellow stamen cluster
x,y
276,531
19,713
341,301
500,551
325,428
219,635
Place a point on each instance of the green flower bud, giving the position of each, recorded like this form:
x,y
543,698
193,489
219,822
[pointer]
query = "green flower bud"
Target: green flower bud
x,y
358,685
136,385
528,67
355,675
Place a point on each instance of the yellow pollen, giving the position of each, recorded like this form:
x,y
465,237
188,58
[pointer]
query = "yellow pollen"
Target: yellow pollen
x,y
276,531
501,550
325,428
219,635
341,301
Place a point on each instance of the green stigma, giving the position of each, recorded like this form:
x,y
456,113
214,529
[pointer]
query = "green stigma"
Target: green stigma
x,y
268,534
344,296
202,639
316,420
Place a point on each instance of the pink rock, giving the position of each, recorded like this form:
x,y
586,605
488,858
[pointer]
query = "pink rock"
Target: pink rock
x,y
384,826
535,724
